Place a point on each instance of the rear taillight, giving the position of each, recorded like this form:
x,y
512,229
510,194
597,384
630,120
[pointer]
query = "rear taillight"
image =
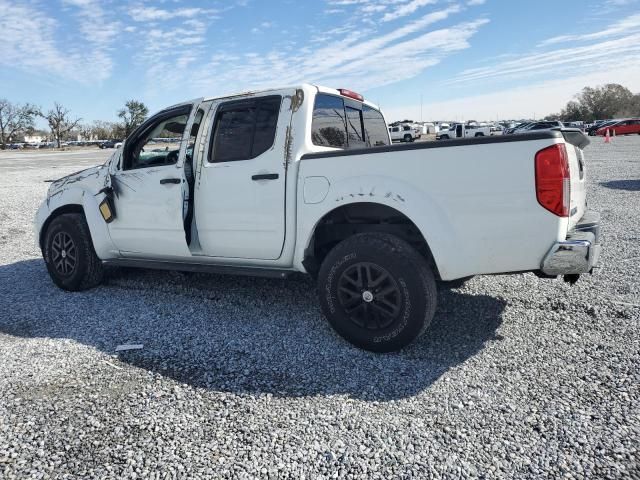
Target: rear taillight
x,y
553,182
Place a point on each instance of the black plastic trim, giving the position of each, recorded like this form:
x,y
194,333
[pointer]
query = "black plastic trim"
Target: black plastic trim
x,y
198,268
459,142
265,176
576,138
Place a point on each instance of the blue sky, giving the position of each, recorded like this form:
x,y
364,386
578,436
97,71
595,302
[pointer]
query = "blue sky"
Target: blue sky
x,y
467,59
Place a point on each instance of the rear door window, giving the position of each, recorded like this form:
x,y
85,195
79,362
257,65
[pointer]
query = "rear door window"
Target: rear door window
x,y
244,129
347,124
328,128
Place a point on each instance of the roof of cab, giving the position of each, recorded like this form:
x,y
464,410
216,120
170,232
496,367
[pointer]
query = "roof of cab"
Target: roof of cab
x,y
319,88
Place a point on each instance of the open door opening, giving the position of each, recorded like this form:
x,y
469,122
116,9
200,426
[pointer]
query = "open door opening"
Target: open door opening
x,y
189,173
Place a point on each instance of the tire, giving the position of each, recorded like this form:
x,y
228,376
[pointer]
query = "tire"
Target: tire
x,y
479,134
69,255
390,264
444,137
408,138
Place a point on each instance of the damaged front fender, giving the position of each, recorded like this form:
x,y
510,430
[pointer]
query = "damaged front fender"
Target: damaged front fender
x,y
75,192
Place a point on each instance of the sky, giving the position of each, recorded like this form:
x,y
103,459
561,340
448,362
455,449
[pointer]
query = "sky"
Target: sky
x,y
420,59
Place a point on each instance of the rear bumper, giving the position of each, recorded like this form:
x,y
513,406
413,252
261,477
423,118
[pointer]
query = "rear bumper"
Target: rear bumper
x,y
579,253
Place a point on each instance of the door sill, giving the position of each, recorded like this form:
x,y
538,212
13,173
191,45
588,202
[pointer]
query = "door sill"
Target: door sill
x,y
199,268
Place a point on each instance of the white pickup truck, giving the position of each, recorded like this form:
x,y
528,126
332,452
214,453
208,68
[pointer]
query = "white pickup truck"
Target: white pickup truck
x,y
403,133
306,180
460,130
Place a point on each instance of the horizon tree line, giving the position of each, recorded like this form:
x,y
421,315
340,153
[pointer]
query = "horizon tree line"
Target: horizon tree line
x,y
19,120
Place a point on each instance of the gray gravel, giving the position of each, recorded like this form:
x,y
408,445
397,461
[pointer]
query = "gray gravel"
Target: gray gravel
x,y
243,378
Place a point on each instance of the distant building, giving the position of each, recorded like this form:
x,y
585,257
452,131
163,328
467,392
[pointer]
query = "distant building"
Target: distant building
x,y
35,138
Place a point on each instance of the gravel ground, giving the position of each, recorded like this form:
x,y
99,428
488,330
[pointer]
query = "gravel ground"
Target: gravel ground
x,y
240,377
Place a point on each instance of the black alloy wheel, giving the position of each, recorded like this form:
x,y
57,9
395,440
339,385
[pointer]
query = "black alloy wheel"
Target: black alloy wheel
x,y
369,295
377,291
64,254
69,254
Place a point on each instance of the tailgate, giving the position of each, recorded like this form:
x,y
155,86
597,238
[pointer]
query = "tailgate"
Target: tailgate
x,y
575,143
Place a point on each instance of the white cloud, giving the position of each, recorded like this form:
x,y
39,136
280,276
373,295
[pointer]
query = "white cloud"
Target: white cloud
x,y
349,61
30,42
99,31
472,3
151,14
557,63
406,9
626,25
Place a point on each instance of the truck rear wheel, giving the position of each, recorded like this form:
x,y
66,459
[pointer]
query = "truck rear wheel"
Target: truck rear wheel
x,y
68,252
377,291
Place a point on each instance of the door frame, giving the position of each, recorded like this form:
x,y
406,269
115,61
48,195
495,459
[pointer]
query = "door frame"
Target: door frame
x,y
116,165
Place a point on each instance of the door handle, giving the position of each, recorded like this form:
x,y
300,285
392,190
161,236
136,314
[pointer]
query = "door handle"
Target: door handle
x,y
265,176
170,180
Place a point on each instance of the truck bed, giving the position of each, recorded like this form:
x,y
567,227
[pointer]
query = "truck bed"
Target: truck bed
x,y
474,200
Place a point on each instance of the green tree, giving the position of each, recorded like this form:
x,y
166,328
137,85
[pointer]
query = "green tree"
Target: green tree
x,y
632,109
132,115
596,103
15,120
60,122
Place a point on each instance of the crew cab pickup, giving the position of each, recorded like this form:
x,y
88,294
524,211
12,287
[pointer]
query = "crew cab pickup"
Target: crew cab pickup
x,y
305,179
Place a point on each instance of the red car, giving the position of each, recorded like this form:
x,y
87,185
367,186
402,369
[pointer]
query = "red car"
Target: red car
x,y
623,127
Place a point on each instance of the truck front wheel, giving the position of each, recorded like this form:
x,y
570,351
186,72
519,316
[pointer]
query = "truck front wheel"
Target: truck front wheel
x,y
377,291
68,252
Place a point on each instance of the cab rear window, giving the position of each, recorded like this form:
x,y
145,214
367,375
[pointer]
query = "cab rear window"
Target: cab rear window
x,y
341,123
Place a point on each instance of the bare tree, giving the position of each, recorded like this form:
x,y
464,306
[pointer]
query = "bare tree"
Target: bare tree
x,y
84,131
132,115
15,120
59,122
102,130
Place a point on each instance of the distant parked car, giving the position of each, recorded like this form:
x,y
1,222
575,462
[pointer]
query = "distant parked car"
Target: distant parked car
x,y
536,126
579,125
402,133
459,130
517,126
594,127
110,144
624,127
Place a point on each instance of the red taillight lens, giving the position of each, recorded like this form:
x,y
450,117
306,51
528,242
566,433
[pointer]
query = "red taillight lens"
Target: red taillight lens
x,y
553,184
348,93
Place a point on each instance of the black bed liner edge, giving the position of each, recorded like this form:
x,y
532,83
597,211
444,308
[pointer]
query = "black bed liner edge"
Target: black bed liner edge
x,y
572,136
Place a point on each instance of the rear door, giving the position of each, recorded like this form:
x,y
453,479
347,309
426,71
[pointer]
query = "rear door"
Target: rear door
x,y
240,186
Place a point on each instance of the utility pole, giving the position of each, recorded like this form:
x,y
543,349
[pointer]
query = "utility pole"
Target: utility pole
x,y
421,108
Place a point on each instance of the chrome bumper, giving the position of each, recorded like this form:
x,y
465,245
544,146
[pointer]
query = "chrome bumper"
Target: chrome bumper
x,y
577,254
